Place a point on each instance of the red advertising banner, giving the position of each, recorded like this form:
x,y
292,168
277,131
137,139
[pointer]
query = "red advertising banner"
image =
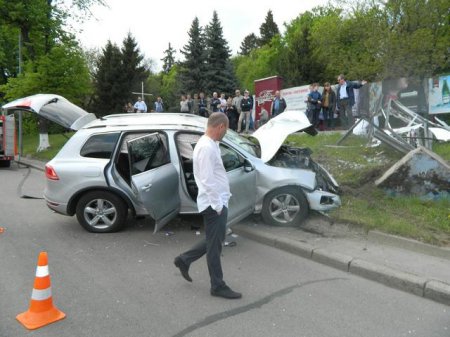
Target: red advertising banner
x,y
264,93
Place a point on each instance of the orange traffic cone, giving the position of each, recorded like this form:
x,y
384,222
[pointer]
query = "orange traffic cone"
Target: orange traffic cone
x,y
41,311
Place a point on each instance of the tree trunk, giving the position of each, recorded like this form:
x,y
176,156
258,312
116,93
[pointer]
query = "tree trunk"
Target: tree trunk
x,y
44,143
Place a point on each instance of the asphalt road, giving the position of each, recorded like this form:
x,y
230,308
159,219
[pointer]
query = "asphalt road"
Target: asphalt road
x,y
125,284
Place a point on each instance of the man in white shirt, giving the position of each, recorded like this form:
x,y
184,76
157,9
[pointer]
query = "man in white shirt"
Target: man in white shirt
x,y
212,203
140,105
345,97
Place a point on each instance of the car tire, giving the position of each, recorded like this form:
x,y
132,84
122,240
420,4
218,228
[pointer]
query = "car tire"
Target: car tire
x,y
101,212
286,206
5,163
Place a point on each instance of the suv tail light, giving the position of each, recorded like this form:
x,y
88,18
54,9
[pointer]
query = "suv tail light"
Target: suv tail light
x,y
50,173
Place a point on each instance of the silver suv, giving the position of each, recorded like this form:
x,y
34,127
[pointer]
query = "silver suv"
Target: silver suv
x,y
142,163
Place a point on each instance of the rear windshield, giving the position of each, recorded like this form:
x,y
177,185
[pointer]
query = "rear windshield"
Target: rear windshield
x,y
100,146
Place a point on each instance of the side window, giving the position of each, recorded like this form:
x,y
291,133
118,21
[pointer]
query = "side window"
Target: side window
x,y
100,145
230,158
186,143
146,153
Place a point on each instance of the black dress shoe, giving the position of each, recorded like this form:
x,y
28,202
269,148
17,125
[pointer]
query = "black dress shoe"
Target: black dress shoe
x,y
225,292
179,263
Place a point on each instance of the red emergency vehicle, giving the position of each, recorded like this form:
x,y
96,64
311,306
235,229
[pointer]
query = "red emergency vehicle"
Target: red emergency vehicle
x,y
8,144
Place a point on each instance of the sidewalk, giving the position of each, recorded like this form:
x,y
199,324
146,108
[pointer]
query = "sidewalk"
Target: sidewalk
x,y
408,265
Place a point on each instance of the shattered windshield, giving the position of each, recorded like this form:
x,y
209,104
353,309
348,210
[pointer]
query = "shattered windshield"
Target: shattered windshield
x,y
243,143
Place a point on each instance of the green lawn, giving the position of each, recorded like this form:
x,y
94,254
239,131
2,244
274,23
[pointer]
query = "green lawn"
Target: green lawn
x,y
355,166
31,142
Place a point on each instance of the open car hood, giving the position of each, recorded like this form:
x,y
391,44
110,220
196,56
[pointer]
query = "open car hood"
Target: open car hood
x,y
273,134
54,108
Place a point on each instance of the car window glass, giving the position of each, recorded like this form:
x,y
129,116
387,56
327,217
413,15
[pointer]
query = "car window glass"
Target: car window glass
x,y
230,158
240,142
100,146
146,153
186,143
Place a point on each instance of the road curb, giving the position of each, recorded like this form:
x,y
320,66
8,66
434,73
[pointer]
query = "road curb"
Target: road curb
x,y
409,244
38,165
332,259
388,276
421,286
437,291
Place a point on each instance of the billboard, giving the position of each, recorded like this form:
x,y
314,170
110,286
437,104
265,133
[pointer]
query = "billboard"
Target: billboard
x,y
265,92
439,94
296,97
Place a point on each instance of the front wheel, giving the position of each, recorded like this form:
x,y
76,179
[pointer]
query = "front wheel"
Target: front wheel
x,y
101,212
286,206
5,163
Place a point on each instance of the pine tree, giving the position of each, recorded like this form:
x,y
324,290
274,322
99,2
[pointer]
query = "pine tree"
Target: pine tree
x,y
268,29
110,87
193,68
219,74
133,71
168,59
250,42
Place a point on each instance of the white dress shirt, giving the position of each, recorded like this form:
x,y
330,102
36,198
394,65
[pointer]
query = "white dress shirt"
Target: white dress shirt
x,y
140,106
343,91
210,175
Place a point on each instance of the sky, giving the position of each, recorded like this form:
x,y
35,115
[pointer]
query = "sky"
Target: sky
x,y
155,24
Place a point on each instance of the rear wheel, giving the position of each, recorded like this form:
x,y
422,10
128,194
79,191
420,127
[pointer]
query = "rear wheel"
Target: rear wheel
x,y
286,206
101,212
5,163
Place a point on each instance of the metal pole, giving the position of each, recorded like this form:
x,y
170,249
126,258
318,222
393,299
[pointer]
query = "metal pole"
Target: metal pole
x,y
20,111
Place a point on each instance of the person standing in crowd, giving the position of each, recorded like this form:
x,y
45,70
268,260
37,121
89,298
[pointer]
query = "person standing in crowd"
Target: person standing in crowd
x,y
202,105
237,100
251,125
215,103
223,102
278,104
184,104
190,103
129,108
328,105
315,99
195,106
309,105
345,97
232,114
159,105
212,202
140,105
246,109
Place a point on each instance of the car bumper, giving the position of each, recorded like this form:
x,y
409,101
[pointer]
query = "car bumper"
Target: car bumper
x,y
323,201
60,208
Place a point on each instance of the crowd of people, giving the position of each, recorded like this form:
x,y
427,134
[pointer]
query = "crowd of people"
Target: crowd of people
x,y
238,108
323,108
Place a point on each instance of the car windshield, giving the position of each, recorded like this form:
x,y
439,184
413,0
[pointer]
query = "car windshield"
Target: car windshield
x,y
243,143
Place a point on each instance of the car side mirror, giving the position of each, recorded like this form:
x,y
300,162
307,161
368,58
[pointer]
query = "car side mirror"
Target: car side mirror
x,y
248,167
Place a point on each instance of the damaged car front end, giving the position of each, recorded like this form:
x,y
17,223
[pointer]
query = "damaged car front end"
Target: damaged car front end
x,y
291,182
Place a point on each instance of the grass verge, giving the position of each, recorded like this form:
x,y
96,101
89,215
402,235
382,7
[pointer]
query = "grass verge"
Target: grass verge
x,y
356,167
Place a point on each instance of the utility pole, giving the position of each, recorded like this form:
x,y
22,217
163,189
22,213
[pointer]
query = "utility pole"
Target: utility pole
x,y
20,111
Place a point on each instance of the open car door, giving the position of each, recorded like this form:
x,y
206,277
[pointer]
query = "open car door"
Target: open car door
x,y
154,178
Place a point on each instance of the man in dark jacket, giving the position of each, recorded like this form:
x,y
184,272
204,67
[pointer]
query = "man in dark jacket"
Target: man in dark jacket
x,y
346,99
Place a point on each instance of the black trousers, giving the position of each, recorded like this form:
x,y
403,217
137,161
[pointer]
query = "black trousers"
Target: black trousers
x,y
345,112
211,245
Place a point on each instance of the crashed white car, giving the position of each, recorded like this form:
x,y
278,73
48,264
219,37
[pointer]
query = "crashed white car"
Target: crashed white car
x,y
142,163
